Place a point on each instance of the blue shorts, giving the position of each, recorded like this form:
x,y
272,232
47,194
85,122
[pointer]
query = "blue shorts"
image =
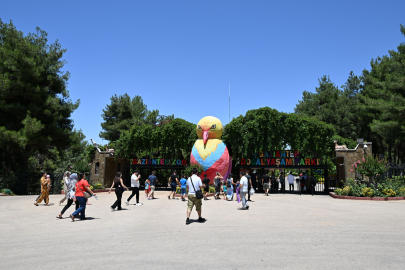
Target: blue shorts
x,y
183,191
173,186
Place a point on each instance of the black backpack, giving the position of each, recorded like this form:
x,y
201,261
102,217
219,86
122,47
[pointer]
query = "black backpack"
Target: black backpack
x,y
228,183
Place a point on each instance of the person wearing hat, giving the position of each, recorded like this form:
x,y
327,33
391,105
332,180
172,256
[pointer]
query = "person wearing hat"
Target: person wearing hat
x,y
135,187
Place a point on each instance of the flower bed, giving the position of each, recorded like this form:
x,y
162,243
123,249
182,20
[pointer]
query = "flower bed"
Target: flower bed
x,y
334,195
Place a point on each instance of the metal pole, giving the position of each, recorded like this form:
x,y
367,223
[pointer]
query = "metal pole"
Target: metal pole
x,y
229,102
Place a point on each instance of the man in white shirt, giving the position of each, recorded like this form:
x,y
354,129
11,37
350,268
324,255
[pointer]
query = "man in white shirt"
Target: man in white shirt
x,y
135,187
291,179
243,190
194,184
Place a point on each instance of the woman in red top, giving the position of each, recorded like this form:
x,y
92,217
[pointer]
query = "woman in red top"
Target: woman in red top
x,y
81,186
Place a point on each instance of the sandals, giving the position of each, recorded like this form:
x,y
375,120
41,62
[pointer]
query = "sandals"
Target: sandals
x,y
35,204
60,216
72,217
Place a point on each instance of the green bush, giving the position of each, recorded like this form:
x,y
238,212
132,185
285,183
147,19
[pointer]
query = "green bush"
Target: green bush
x,y
7,191
91,187
98,186
389,192
346,191
367,192
338,191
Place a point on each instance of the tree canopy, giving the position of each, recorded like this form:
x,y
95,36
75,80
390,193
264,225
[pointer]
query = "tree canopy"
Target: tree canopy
x,y
35,108
123,113
172,139
267,129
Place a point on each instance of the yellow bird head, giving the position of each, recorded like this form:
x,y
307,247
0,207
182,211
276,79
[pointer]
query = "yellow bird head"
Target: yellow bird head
x,y
209,127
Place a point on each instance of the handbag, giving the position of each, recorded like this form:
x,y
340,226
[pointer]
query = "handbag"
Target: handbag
x,y
198,193
85,193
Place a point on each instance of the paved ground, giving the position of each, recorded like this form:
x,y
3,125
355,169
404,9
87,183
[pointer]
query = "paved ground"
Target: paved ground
x,y
279,231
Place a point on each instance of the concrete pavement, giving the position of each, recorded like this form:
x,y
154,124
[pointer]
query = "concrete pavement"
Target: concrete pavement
x,y
278,232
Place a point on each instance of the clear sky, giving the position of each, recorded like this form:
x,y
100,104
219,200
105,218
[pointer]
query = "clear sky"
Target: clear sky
x,y
180,56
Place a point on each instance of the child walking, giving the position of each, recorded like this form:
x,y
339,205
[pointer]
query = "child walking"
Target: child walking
x,y
224,189
147,188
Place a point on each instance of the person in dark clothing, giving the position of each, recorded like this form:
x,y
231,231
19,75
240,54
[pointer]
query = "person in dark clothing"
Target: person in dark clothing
x,y
206,182
273,182
302,182
266,184
119,189
313,183
249,178
173,182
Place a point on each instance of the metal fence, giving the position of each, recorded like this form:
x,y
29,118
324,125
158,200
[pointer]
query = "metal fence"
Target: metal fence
x,y
28,182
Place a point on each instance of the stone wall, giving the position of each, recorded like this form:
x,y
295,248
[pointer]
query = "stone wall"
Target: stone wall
x,y
107,168
346,157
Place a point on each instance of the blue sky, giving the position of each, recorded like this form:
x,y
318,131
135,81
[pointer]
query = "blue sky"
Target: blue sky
x,y
180,56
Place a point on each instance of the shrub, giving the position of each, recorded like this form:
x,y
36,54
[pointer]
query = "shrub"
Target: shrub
x,y
367,192
338,191
401,191
212,190
389,192
91,187
7,191
346,190
98,185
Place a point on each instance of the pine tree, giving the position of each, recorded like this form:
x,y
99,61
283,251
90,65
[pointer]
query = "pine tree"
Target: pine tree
x,y
35,108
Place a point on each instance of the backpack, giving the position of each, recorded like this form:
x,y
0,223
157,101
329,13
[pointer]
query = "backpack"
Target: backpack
x,y
228,183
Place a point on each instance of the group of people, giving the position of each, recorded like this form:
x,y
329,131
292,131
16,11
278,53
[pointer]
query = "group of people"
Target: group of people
x,y
271,184
77,189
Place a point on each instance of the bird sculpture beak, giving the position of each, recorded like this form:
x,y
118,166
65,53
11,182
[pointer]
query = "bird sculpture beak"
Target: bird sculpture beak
x,y
205,136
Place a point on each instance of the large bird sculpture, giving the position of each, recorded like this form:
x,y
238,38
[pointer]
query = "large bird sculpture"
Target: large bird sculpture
x,y
209,151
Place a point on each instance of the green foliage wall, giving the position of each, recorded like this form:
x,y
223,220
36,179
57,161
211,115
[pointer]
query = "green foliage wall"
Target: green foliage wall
x,y
268,129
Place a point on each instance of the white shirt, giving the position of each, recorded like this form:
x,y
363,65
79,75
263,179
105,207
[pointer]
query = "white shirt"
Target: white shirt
x,y
134,181
197,184
244,182
291,179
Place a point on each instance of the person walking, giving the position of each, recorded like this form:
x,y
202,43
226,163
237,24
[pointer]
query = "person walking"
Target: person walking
x,y
217,183
153,181
291,179
70,194
302,182
194,184
243,189
119,188
249,178
135,184
266,183
313,183
273,182
206,182
65,184
183,188
40,184
45,187
80,187
172,183
229,185
282,182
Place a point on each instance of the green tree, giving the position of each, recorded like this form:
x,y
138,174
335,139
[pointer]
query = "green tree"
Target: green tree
x,y
35,108
121,115
267,129
384,98
172,139
338,107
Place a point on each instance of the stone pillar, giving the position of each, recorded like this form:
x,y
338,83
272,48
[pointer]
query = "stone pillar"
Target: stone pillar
x,y
350,156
